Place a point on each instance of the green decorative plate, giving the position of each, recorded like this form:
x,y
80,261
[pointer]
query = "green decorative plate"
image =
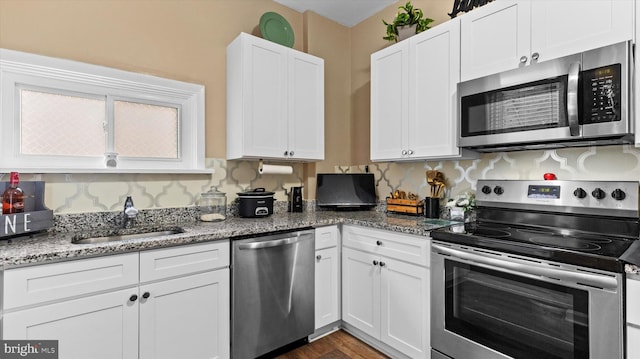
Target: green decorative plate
x,y
276,28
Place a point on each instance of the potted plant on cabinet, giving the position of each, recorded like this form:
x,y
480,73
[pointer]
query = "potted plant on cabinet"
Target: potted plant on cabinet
x,y
409,21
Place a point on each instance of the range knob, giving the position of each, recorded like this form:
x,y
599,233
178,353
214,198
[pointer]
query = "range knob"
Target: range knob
x,y
598,193
486,189
498,190
580,193
618,194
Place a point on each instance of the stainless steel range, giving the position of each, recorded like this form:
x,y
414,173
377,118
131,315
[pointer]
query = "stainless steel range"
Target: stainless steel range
x,y
539,274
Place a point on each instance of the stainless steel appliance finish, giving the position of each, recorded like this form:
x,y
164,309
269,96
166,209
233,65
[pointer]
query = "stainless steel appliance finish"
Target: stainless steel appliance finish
x,y
577,100
538,274
272,298
489,304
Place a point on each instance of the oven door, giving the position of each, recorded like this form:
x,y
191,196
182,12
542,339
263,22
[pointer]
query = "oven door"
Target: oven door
x,y
487,304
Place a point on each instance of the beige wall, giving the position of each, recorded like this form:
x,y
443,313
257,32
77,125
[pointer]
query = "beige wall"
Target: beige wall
x,y
367,39
180,39
332,42
184,40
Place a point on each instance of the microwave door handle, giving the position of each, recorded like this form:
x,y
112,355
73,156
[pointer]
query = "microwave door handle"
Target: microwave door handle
x,y
572,99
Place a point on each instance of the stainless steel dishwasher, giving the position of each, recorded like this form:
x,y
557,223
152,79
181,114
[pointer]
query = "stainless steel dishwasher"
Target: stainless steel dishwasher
x,y
272,292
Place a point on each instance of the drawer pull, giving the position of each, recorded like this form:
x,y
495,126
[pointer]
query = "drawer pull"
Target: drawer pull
x,y
318,257
146,295
375,262
133,298
379,243
382,264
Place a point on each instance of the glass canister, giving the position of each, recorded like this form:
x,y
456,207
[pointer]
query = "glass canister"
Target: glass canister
x,y
212,205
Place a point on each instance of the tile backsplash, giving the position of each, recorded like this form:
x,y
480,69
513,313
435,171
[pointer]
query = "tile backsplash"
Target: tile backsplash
x,y
79,193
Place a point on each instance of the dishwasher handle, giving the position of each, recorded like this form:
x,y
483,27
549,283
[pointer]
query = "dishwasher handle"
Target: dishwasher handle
x,y
269,244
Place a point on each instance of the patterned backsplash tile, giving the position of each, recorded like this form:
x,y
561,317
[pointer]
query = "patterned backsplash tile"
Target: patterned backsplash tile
x,y
79,193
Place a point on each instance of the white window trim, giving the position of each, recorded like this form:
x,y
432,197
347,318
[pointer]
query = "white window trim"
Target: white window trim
x,y
36,71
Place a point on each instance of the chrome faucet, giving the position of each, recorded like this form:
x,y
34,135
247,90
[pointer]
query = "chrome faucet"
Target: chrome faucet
x,y
129,214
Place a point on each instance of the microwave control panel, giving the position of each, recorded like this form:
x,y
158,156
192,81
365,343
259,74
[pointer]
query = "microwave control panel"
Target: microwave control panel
x,y
601,96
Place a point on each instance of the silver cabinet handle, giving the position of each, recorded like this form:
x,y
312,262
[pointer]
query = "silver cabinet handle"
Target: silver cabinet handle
x,y
286,153
523,60
404,152
291,153
410,152
572,99
269,244
535,56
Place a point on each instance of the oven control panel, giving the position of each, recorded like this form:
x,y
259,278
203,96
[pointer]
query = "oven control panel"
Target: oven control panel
x,y
593,196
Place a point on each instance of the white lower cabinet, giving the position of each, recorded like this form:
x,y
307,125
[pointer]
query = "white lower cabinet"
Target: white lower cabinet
x,y
383,296
633,317
103,326
185,316
327,276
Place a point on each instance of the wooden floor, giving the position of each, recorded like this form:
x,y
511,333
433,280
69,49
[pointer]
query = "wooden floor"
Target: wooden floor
x,y
337,345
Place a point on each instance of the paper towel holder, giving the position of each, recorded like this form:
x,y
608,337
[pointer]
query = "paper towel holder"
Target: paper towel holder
x,y
273,169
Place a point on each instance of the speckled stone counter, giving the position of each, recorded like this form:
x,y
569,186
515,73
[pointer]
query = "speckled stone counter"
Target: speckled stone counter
x,y
59,246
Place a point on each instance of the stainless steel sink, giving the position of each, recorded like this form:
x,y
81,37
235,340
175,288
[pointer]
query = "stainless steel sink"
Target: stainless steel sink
x,y
116,236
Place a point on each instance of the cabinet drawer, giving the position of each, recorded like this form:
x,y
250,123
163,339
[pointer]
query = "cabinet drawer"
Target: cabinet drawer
x,y
327,237
405,247
177,261
48,282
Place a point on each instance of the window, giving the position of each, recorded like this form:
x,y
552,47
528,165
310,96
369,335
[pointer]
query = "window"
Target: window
x,y
64,116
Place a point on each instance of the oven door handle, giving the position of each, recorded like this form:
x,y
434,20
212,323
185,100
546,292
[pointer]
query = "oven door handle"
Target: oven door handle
x,y
532,268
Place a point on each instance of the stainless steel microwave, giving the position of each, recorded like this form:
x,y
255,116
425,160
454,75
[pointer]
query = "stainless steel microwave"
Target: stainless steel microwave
x,y
578,100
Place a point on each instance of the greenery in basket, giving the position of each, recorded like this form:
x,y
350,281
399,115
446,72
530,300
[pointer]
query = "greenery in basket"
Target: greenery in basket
x,y
466,201
407,16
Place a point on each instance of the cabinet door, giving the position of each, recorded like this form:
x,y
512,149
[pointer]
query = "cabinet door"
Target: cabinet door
x,y
565,27
389,102
435,71
405,306
306,107
327,285
186,317
256,98
633,341
103,326
494,38
361,291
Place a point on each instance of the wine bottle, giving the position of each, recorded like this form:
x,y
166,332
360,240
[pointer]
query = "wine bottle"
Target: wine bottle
x,y
13,197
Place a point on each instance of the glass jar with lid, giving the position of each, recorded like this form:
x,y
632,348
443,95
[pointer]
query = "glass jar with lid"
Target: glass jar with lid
x,y
212,205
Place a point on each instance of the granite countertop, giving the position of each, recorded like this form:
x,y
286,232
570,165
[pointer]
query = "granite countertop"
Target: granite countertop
x,y
54,247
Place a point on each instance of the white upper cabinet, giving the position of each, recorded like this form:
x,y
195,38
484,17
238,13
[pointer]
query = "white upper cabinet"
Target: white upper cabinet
x,y
507,34
275,101
413,96
494,37
390,102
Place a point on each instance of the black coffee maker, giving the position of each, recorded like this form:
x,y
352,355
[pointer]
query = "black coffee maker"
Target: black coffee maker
x,y
295,199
